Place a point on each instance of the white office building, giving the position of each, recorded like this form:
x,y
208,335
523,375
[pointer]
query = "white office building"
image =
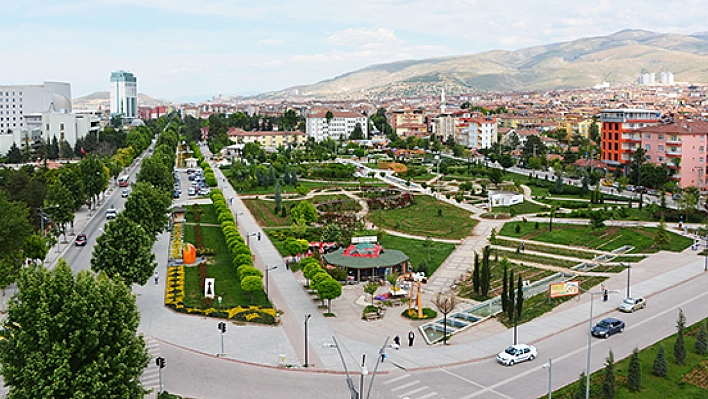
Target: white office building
x,y
18,101
339,127
124,95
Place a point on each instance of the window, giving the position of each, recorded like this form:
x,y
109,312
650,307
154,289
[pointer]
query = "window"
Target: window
x,y
660,159
661,148
647,147
647,136
702,138
700,148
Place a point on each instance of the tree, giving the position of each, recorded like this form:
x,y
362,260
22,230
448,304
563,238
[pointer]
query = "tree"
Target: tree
x,y
14,154
65,150
59,204
310,269
154,171
661,366
94,176
634,371
702,340
70,176
505,294
475,273
559,185
580,391
306,210
332,233
148,207
15,229
445,304
679,345
357,133
294,246
661,237
329,116
486,272
495,176
371,288
519,297
251,284
510,297
124,250
329,289
594,131
278,198
77,336
608,383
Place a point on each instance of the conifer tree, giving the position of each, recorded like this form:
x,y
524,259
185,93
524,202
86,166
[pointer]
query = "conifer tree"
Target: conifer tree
x,y
702,340
511,297
634,372
486,271
519,297
661,366
608,384
580,391
504,289
679,345
277,197
475,273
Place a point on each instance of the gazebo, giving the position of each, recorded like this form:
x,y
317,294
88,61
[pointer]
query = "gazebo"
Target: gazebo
x,y
368,261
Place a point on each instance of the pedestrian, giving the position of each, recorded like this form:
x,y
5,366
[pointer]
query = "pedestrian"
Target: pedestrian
x,y
397,341
157,277
604,296
411,337
523,248
382,352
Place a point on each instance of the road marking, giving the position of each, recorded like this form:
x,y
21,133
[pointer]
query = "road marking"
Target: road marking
x,y
573,353
403,377
423,388
428,395
404,386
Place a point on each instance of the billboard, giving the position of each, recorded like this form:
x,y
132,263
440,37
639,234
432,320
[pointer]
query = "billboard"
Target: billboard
x,y
567,288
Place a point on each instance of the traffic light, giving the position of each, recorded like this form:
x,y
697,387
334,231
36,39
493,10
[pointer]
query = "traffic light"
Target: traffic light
x,y
222,327
160,361
259,236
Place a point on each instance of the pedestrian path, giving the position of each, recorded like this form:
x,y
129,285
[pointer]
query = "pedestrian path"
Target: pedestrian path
x,y
150,380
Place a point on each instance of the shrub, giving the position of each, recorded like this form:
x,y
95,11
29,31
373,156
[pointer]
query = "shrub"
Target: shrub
x,y
242,259
427,314
247,270
337,273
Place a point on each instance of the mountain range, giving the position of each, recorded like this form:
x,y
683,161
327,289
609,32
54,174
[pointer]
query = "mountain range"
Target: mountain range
x,y
102,99
617,58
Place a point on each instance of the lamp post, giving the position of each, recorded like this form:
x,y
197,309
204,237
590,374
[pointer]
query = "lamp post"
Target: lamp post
x,y
307,360
437,158
236,215
364,373
510,303
629,268
587,370
705,249
249,235
43,216
267,269
549,366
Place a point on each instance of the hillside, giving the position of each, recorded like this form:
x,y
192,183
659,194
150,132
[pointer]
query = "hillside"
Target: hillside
x,y
617,58
102,99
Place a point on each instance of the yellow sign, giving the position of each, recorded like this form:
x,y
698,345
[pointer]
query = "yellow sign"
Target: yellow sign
x,y
567,288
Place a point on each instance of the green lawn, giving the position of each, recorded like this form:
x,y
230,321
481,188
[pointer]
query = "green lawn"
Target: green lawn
x,y
312,185
603,239
681,382
264,213
417,250
207,215
520,209
220,268
421,219
466,289
535,258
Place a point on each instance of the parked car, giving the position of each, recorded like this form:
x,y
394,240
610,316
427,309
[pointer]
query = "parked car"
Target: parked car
x,y
607,327
192,191
630,187
640,190
80,240
111,213
175,194
203,191
632,304
125,193
677,197
517,354
653,192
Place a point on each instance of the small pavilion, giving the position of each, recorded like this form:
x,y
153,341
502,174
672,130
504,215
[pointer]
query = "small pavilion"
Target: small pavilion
x,y
368,261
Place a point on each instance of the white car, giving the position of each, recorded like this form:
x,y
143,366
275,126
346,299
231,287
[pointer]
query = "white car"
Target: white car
x,y
125,193
631,304
517,354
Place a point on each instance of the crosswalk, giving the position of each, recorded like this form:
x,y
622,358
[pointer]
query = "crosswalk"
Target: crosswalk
x,y
406,387
150,380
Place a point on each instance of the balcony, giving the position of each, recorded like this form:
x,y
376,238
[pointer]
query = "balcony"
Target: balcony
x,y
635,138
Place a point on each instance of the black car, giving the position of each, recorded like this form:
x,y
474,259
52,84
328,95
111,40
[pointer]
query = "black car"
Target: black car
x,y
607,327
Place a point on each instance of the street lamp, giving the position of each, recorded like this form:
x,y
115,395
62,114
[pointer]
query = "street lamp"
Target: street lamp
x,y
236,214
587,371
629,268
549,366
307,318
267,269
43,216
437,158
510,303
249,235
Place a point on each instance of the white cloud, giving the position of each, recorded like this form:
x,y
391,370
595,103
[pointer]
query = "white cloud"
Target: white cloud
x,y
271,42
359,37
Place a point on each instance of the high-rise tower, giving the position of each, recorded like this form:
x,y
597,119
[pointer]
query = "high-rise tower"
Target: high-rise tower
x,y
124,95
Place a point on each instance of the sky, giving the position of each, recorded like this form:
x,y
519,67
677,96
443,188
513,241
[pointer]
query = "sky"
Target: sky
x,y
194,49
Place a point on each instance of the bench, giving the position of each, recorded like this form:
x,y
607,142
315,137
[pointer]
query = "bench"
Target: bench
x,y
372,316
396,302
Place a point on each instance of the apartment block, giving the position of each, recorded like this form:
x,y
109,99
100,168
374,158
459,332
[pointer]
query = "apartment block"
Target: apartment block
x,y
338,128
620,138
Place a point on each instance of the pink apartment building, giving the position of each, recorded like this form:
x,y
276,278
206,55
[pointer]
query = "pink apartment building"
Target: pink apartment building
x,y
683,140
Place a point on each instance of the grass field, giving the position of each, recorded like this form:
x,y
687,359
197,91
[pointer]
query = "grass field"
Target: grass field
x,y
421,219
226,285
688,381
264,214
603,239
417,250
497,270
207,215
520,209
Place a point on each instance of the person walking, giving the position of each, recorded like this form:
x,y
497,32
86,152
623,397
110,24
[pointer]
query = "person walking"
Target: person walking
x,y
157,277
382,352
397,341
411,337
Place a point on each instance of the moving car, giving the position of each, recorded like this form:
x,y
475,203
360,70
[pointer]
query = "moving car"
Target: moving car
x,y
632,304
607,327
517,354
125,193
80,240
111,213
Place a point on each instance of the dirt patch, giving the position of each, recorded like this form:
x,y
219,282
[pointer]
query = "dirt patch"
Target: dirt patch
x,y
698,376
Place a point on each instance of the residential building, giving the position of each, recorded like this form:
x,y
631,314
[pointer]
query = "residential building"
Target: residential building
x,y
575,124
619,137
17,101
268,140
478,133
682,145
69,127
338,128
409,122
124,95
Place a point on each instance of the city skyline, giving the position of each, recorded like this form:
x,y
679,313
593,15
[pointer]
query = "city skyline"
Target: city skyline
x,y
232,47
